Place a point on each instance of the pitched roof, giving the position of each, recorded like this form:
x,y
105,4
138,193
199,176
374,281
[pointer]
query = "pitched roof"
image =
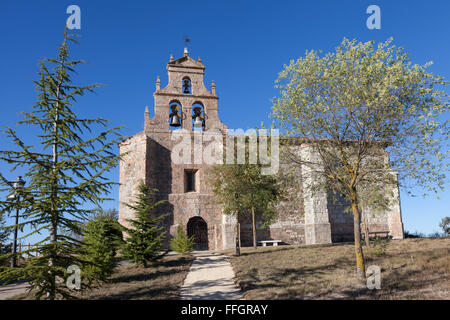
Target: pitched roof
x,y
186,62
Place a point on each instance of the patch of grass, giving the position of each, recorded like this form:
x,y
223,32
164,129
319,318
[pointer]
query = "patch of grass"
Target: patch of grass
x,y
410,269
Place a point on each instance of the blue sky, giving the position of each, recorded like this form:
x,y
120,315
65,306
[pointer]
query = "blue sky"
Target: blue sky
x,y
243,44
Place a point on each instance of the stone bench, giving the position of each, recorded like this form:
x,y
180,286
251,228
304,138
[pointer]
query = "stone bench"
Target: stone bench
x,y
374,234
273,242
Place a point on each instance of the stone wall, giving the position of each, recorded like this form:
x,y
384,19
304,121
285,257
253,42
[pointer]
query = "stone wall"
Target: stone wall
x,y
341,219
317,222
289,226
132,171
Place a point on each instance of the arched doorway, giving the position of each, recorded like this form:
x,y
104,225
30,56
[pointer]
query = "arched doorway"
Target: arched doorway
x,y
198,228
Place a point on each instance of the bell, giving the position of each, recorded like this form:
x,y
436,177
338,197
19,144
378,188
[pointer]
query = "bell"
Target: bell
x,y
198,122
175,121
186,86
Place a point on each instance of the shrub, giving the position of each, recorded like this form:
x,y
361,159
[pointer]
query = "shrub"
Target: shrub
x,y
380,245
181,243
414,234
436,235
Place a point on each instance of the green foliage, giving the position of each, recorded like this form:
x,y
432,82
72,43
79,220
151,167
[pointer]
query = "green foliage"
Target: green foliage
x,y
364,113
102,239
181,243
5,248
110,214
379,246
144,239
241,187
4,233
64,176
52,276
374,97
445,225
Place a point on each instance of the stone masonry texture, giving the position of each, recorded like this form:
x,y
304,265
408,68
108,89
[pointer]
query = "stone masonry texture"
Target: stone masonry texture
x,y
302,219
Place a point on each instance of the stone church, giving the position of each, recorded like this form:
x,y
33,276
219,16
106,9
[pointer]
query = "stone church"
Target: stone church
x,y
185,103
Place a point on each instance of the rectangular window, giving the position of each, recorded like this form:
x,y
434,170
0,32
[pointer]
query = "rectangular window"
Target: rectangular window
x,y
189,180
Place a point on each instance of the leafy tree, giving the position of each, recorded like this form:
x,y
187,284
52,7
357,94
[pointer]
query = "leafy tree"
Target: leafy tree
x,y
354,107
445,225
63,176
102,239
144,239
263,193
225,185
241,189
181,243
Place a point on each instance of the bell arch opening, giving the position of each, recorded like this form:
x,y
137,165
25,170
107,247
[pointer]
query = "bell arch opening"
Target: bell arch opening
x,y
175,115
198,117
186,85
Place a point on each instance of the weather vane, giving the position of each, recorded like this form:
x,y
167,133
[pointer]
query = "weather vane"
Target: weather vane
x,y
186,40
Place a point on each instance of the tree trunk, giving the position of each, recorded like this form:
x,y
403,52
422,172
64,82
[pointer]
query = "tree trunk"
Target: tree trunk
x,y
360,266
366,231
54,229
254,228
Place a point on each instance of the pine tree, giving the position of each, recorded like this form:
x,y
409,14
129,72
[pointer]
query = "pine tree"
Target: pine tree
x,y
145,237
4,234
64,176
181,243
102,238
110,214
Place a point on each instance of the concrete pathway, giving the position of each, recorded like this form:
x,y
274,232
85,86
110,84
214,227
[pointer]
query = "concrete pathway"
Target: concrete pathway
x,y
12,290
210,277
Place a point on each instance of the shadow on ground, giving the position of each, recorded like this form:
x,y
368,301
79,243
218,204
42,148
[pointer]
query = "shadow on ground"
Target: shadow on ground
x,y
160,281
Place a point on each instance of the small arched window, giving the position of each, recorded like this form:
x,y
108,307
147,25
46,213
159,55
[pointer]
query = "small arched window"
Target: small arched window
x,y
186,86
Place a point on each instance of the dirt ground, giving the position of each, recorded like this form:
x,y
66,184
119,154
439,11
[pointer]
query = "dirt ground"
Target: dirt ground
x,y
410,269
161,281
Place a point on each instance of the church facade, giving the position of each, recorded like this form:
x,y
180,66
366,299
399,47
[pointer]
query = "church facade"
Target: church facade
x,y
185,105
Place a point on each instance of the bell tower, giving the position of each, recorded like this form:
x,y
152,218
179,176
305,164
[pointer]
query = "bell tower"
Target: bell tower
x,y
185,102
187,106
